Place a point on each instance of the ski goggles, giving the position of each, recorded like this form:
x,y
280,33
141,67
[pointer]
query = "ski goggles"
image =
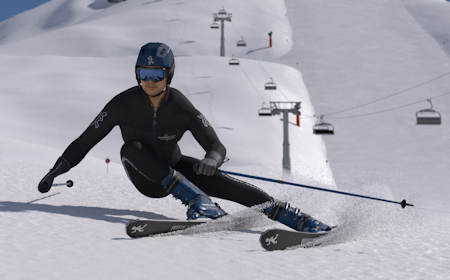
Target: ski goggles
x,y
154,74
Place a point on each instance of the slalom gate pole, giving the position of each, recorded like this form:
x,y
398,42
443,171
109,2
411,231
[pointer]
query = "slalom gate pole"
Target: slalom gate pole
x,y
402,203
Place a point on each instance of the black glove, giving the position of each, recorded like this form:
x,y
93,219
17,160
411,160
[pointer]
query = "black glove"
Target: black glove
x,y
61,166
207,167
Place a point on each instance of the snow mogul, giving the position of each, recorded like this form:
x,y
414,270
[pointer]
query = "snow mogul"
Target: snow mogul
x,y
153,117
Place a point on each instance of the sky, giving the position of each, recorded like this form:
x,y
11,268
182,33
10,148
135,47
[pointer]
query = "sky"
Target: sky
x,y
11,8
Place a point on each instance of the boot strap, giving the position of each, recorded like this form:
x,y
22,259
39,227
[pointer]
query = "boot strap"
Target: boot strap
x,y
176,179
277,209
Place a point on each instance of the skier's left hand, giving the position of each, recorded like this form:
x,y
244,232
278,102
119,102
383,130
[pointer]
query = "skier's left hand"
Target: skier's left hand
x,y
61,166
207,167
46,183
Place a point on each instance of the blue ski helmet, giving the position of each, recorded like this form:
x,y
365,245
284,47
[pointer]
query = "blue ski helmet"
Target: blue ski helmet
x,y
156,54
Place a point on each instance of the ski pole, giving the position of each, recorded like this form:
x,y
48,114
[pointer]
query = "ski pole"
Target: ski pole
x,y
69,184
402,203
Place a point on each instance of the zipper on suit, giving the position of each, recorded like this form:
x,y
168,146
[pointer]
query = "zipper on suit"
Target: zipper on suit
x,y
155,142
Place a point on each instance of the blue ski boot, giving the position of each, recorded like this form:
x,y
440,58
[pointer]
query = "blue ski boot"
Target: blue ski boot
x,y
200,205
293,218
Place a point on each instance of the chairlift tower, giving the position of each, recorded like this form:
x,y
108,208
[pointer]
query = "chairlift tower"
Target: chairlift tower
x,y
283,107
222,16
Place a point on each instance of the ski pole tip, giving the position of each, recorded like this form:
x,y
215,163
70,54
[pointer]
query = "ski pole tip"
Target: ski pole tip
x,y
404,204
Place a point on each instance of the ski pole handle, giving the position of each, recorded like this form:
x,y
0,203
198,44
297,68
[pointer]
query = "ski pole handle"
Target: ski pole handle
x,y
69,184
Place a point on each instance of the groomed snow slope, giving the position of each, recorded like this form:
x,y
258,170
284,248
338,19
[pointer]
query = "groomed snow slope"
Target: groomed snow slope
x,y
352,55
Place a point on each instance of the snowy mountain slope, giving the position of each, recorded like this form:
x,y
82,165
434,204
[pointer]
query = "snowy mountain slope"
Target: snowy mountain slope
x,y
79,232
71,61
354,55
63,28
431,15
59,110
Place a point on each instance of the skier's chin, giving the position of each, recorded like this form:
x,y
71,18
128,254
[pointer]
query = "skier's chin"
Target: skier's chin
x,y
151,91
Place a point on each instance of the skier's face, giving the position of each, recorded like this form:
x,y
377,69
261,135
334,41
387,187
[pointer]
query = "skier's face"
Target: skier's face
x,y
153,88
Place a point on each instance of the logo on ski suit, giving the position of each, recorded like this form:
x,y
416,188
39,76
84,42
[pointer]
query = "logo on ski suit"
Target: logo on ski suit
x,y
204,120
272,240
166,137
98,119
138,228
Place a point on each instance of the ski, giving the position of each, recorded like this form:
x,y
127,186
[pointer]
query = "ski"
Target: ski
x,y
140,228
280,239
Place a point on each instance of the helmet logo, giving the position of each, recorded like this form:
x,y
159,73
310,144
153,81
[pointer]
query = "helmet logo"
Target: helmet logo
x,y
150,60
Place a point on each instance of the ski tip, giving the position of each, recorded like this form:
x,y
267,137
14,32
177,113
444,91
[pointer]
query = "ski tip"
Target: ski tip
x,y
280,239
331,228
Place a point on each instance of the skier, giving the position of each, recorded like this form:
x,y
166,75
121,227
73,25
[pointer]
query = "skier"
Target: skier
x,y
153,117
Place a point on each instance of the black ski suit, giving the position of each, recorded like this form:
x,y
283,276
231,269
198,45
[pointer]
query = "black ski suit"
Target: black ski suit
x,y
151,151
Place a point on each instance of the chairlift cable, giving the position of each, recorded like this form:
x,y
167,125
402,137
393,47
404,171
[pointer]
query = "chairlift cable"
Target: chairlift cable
x,y
251,83
307,117
231,22
387,110
226,42
389,96
282,93
248,78
437,96
237,30
229,47
349,109
206,3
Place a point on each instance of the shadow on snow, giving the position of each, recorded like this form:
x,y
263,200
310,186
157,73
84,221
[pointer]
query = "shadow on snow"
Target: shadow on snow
x,y
95,213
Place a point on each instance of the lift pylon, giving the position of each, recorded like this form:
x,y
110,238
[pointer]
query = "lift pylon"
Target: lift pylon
x,y
283,107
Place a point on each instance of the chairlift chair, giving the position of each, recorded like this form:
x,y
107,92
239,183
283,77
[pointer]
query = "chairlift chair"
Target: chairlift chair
x,y
233,61
428,116
270,85
214,25
265,111
323,127
241,43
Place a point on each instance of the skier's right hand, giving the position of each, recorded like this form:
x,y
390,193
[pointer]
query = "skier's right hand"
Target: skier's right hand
x,y
61,166
207,167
